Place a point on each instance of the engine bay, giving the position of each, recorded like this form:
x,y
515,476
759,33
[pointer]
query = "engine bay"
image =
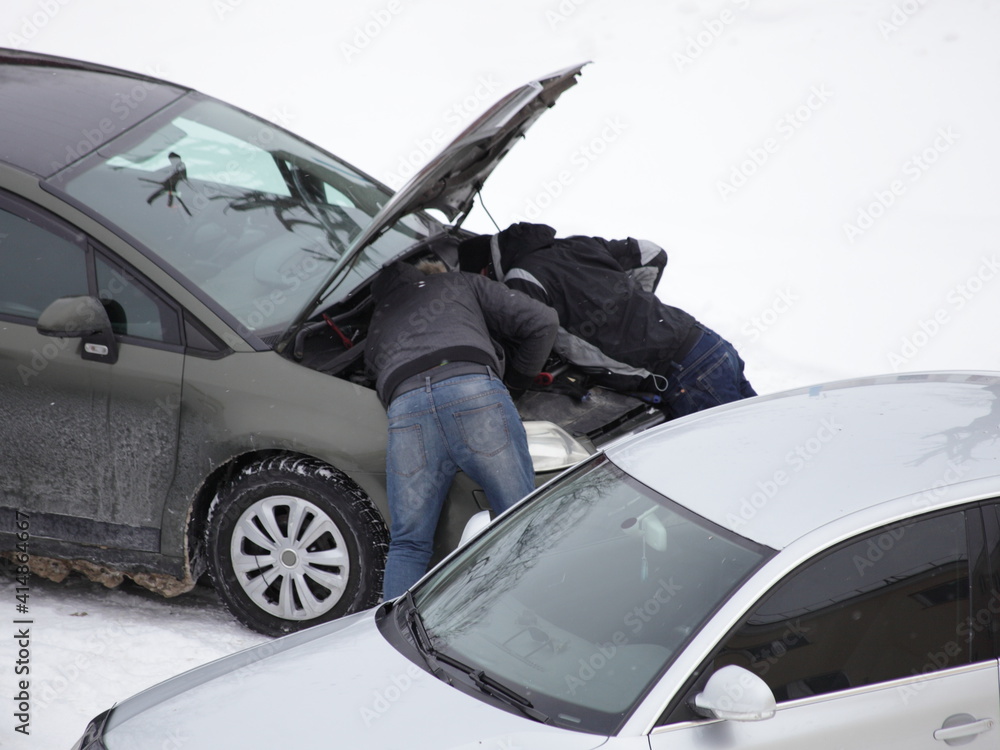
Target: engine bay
x,y
332,342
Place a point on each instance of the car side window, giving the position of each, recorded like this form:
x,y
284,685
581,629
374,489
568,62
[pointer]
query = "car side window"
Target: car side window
x,y
890,605
986,617
37,267
132,308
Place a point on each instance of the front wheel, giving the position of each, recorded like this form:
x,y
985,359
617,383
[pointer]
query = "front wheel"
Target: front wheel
x,y
292,543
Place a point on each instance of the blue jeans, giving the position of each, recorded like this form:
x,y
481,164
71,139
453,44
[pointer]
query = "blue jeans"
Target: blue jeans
x,y
710,374
466,423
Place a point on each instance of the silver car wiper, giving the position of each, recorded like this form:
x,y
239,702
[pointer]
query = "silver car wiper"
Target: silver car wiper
x,y
480,678
421,638
498,690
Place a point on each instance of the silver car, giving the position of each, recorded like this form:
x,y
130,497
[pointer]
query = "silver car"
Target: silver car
x,y
819,568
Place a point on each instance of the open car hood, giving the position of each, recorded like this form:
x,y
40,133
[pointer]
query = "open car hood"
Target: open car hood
x,y
450,180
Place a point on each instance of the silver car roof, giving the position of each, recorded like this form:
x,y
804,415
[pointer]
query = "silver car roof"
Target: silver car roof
x,y
775,468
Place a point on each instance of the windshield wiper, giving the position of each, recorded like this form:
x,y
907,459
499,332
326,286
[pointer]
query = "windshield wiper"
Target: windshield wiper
x,y
421,638
490,686
486,683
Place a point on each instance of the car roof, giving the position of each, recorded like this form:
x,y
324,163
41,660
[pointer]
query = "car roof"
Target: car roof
x,y
54,110
777,467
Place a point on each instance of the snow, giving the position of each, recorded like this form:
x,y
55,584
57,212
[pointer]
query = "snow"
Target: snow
x,y
823,175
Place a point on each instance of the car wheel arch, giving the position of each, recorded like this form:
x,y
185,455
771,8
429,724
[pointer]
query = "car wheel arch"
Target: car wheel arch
x,y
354,517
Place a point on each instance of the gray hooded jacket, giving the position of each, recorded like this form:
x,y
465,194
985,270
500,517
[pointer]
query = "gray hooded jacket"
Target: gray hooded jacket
x,y
421,322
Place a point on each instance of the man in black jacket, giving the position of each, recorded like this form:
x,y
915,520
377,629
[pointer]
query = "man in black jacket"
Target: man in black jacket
x,y
612,324
435,347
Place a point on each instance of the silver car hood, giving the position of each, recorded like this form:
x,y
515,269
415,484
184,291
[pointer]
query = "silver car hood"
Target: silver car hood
x,y
334,685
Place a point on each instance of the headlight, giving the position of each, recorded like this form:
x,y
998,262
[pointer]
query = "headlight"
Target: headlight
x,y
552,448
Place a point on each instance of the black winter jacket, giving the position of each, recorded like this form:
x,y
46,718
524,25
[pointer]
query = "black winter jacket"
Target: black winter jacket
x,y
423,321
586,280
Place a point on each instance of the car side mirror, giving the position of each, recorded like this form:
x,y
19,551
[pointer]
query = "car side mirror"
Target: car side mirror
x,y
474,525
84,318
735,694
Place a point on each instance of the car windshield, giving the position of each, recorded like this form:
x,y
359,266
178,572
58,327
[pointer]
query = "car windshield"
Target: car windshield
x,y
252,217
581,597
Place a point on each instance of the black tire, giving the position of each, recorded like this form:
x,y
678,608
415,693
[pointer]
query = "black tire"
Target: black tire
x,y
277,580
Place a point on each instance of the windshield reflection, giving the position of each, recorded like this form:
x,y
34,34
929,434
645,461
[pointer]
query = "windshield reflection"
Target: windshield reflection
x,y
582,596
252,217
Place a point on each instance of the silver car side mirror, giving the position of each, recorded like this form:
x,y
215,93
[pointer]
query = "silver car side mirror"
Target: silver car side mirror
x,y
735,694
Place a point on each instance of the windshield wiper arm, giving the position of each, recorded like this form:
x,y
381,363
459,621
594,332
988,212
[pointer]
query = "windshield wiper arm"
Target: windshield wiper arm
x,y
479,677
421,638
490,686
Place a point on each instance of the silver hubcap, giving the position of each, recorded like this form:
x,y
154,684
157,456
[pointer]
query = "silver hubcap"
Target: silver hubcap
x,y
290,557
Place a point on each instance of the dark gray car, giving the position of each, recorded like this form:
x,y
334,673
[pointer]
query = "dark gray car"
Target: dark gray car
x,y
183,292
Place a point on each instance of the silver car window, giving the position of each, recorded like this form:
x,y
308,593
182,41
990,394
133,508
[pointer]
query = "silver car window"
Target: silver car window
x,y
893,604
583,595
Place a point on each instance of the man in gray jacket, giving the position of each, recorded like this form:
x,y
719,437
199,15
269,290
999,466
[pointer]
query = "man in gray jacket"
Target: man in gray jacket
x,y
435,347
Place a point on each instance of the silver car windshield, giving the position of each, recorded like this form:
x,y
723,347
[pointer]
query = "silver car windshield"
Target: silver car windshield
x,y
582,596
252,217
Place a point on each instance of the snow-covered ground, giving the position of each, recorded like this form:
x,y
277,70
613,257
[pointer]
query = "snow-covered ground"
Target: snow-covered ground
x,y
823,173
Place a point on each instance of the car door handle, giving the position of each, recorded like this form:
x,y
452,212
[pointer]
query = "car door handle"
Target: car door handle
x,y
961,726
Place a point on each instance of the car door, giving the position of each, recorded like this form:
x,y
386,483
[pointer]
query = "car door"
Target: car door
x,y
885,642
89,446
